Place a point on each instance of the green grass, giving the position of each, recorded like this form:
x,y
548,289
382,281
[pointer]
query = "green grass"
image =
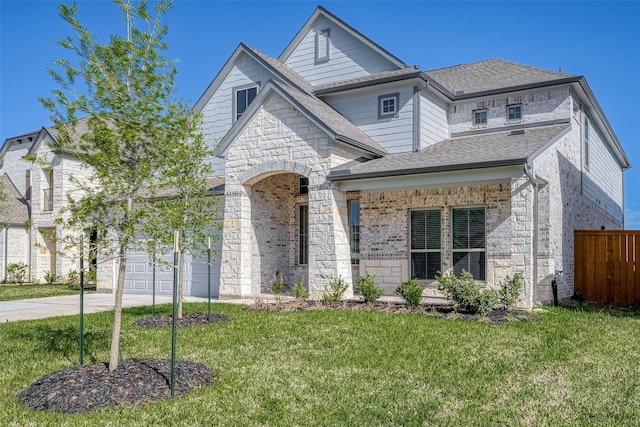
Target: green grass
x,y
10,292
573,367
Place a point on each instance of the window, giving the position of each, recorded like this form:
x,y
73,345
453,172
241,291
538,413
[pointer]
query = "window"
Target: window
x,y
323,45
586,142
47,193
354,230
242,98
27,185
425,244
479,117
469,243
304,185
514,112
388,105
303,234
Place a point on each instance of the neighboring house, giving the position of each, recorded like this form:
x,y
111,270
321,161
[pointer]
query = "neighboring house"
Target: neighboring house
x,y
42,181
14,233
338,159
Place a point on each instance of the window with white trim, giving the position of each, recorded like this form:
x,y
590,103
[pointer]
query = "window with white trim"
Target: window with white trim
x,y
480,117
242,97
469,241
323,45
426,243
303,234
514,112
388,105
354,230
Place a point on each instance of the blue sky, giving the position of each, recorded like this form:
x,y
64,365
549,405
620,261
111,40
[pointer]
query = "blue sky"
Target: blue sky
x,y
599,40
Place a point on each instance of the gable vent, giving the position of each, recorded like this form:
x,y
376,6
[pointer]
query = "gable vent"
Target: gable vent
x,y
517,132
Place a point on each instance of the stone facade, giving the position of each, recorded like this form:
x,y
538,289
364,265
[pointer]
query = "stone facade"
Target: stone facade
x,y
277,147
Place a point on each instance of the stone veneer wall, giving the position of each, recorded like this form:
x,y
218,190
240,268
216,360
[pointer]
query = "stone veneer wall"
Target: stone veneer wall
x,y
279,139
384,226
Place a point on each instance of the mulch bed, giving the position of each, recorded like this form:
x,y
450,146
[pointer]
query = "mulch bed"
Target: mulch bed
x,y
495,317
87,388
188,319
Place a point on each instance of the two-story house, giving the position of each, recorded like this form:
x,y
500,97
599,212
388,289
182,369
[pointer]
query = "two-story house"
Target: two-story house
x,y
40,180
337,158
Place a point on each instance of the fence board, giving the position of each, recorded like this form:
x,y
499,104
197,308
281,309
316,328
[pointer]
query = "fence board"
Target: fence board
x,y
607,265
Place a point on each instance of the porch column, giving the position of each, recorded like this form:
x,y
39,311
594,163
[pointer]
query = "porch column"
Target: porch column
x,y
235,268
522,235
329,253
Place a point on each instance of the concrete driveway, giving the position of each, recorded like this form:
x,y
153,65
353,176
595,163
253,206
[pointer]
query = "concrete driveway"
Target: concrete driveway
x,y
40,308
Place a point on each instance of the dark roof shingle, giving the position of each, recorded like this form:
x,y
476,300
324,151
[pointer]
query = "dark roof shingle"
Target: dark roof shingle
x,y
15,209
469,152
490,75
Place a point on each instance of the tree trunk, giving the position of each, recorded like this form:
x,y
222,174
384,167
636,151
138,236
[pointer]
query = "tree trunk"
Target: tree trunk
x,y
180,282
117,313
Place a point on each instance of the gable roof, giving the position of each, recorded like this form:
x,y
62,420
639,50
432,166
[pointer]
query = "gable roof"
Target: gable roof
x,y
15,210
276,67
320,13
491,74
368,80
322,115
454,154
29,136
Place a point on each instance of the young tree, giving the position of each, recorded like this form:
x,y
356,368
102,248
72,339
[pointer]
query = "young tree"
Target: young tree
x,y
183,203
132,122
3,208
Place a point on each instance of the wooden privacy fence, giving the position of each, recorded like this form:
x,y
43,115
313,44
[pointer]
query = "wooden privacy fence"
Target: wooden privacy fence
x,y
607,266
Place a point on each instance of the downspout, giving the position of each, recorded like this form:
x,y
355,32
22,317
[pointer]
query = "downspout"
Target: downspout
x,y
528,170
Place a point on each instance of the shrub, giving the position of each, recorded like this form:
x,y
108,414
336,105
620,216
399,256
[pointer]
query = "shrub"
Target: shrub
x,y
411,292
91,276
17,272
73,278
334,291
50,278
509,291
368,289
299,291
466,293
277,285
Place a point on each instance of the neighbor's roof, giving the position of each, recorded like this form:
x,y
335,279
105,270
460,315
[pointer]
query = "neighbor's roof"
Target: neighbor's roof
x,y
454,154
490,75
15,209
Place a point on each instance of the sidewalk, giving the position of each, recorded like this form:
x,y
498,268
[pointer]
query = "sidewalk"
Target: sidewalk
x,y
40,308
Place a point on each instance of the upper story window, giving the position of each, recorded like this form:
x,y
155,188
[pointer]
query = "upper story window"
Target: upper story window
x,y
514,112
242,97
27,185
388,105
323,45
469,241
480,117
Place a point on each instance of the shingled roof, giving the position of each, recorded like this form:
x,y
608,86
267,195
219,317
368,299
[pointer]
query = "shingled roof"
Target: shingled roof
x,y
281,68
469,152
490,75
15,209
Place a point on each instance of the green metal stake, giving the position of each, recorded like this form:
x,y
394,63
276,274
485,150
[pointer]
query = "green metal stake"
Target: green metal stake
x,y
81,300
209,282
175,313
153,303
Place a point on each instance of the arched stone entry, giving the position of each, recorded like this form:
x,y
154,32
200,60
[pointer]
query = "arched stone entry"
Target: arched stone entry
x,y
261,231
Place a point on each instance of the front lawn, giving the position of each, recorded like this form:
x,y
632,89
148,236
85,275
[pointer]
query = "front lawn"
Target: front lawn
x,y
11,292
321,368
